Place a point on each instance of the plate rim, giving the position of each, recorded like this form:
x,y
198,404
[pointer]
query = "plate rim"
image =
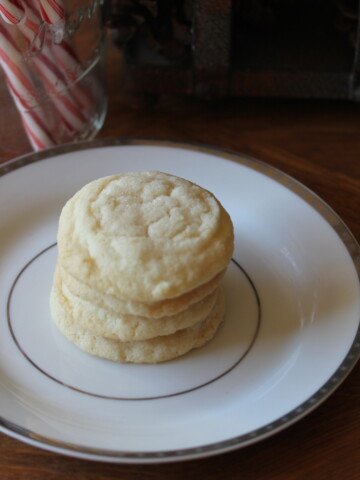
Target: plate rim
x,y
334,381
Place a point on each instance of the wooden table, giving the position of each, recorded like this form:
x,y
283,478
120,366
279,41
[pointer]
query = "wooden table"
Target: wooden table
x,y
319,144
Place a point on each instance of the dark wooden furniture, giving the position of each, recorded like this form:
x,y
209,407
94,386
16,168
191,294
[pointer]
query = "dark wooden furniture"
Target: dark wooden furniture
x,y
242,48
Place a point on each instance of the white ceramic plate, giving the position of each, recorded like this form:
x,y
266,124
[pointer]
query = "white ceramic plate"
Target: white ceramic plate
x,y
290,337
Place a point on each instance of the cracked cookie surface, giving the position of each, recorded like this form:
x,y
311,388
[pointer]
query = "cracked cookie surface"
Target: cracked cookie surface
x,y
145,236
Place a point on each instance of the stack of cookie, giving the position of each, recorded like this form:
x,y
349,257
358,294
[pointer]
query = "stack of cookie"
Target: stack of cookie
x,y
140,260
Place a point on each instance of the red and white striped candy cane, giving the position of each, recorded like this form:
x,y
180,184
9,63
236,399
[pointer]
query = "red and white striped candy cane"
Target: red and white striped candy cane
x,y
70,65
32,27
69,110
35,126
60,59
12,11
51,10
24,92
63,55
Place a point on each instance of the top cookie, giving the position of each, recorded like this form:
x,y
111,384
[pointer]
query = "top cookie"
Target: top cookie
x,y
144,236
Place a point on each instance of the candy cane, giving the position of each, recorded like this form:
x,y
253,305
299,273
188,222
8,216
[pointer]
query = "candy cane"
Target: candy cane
x,y
23,92
36,129
57,65
11,11
68,109
71,68
61,56
67,60
51,10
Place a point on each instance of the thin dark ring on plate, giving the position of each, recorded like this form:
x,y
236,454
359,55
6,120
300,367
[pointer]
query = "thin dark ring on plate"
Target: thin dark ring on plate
x,y
108,397
254,436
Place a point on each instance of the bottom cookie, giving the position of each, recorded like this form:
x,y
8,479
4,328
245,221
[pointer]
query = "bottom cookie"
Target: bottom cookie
x,y
155,350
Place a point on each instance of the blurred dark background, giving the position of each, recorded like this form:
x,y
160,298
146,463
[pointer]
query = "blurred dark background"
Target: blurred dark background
x,y
245,48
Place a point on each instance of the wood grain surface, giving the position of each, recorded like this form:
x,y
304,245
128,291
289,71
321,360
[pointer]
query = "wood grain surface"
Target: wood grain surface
x,y
319,144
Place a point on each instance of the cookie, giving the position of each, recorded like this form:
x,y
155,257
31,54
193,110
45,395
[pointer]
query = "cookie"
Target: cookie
x,y
104,323
153,310
155,350
144,237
